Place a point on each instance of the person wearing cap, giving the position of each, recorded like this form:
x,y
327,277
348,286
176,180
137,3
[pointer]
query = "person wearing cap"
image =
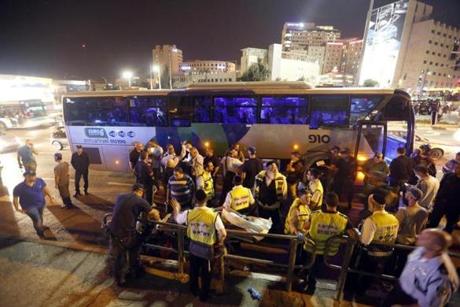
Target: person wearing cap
x,y
429,278
61,180
128,209
250,168
299,213
270,190
80,162
322,225
240,199
412,219
206,232
315,188
26,157
29,198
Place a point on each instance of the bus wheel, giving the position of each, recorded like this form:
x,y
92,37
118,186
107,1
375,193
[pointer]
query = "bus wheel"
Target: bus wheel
x,y
57,145
436,153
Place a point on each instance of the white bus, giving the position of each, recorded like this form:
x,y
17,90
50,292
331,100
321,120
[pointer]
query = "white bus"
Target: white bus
x,y
276,117
25,114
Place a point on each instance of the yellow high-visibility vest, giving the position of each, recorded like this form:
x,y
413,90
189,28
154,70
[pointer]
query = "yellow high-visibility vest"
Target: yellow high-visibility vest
x,y
201,225
323,226
387,227
302,217
208,184
280,181
240,197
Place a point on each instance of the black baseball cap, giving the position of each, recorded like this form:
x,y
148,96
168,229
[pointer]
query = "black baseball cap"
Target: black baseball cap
x,y
252,150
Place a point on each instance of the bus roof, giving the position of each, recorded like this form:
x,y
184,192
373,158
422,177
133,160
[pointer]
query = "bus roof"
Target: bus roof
x,y
261,88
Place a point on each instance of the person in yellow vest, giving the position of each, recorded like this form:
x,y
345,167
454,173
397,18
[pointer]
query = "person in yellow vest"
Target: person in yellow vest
x,y
324,224
299,213
205,230
316,188
206,183
379,228
270,190
239,198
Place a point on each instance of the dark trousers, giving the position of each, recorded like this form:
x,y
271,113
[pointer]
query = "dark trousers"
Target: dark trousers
x,y
36,215
345,189
200,268
313,272
226,186
78,175
124,256
451,212
148,193
398,297
275,215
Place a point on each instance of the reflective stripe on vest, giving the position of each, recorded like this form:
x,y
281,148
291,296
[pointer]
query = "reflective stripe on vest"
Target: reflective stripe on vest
x,y
208,184
240,198
279,184
323,226
386,227
201,225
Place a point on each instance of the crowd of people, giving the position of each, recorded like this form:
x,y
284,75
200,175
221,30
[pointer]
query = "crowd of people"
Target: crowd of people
x,y
404,203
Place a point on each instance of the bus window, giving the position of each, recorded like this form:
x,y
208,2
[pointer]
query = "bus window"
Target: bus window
x,y
362,106
284,110
329,110
180,111
96,111
202,112
235,110
147,111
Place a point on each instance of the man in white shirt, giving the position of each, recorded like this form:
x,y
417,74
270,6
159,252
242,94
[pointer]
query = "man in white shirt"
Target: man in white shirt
x,y
428,184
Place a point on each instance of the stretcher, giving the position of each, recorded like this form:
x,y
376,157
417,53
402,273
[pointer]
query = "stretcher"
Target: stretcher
x,y
251,224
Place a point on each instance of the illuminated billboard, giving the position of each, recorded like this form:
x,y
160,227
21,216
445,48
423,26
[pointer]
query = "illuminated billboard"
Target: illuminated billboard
x,y
383,43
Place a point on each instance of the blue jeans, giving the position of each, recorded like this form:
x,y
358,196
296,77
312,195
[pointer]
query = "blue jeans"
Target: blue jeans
x,y
36,215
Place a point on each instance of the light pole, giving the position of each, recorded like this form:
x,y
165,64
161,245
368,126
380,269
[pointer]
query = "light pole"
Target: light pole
x,y
157,69
128,75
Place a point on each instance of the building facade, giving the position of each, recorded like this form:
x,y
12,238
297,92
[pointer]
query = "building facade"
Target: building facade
x,y
250,56
201,66
168,56
300,36
405,47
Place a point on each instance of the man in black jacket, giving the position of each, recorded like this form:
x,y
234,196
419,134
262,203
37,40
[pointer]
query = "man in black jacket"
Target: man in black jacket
x,y
401,169
80,162
144,175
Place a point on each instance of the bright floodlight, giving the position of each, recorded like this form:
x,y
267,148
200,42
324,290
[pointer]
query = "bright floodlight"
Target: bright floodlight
x,y
156,68
127,74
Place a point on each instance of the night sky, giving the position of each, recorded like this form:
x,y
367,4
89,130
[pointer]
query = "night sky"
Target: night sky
x,y
84,39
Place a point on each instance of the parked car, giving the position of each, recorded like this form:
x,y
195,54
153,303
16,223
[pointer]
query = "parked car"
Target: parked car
x,y
59,138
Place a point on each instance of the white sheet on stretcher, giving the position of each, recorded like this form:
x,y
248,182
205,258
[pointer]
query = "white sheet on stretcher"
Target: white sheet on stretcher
x,y
251,224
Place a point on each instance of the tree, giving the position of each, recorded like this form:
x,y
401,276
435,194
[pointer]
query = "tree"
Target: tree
x,y
256,72
370,83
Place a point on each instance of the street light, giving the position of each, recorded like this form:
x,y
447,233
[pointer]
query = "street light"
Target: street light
x,y
156,69
128,75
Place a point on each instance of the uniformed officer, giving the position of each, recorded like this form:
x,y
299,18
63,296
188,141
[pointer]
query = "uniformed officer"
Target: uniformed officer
x,y
324,224
206,183
205,230
124,236
270,190
316,188
429,278
240,198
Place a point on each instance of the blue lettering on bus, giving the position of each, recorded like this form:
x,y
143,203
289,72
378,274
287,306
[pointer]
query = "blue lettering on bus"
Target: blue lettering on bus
x,y
95,133
112,134
121,134
131,134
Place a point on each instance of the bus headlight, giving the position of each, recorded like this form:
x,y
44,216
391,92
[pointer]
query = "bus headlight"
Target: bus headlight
x,y
207,144
295,146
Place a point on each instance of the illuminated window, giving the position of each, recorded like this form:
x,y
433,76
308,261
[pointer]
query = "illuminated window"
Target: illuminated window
x,y
148,111
97,111
284,110
235,110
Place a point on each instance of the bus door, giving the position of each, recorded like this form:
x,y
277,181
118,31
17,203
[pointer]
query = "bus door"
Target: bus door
x,y
371,140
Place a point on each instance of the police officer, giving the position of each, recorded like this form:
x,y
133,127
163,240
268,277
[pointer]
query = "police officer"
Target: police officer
x,y
206,183
429,277
205,229
324,224
315,187
240,198
124,236
270,190
80,162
